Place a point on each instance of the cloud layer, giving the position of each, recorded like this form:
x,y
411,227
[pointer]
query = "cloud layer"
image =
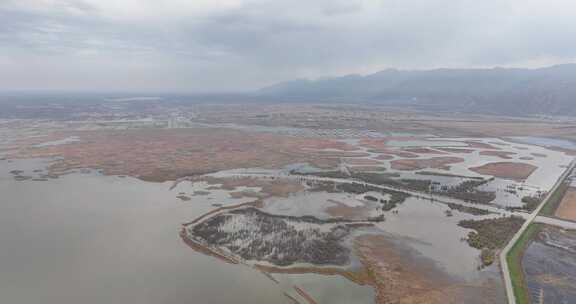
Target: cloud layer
x,y
216,45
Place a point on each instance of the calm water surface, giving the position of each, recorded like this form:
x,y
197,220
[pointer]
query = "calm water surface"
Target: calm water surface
x,y
86,238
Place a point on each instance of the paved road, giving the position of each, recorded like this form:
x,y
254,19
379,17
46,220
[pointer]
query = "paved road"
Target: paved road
x,y
555,222
529,220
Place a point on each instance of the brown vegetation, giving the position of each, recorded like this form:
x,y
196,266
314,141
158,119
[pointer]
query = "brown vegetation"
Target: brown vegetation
x,y
490,235
501,154
384,157
373,143
506,170
333,153
417,164
423,151
397,280
350,213
358,277
359,169
167,154
432,173
466,209
394,152
567,208
362,161
456,150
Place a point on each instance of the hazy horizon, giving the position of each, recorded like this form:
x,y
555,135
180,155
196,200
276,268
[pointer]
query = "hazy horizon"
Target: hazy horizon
x,y
242,45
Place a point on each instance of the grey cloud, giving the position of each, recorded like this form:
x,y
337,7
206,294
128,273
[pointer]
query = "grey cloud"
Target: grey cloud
x,y
260,42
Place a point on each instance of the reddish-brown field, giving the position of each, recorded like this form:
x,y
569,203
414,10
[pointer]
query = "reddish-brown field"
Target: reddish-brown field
x,y
418,164
362,162
456,150
506,170
351,213
167,154
384,157
399,153
366,168
501,154
567,208
423,151
374,143
333,154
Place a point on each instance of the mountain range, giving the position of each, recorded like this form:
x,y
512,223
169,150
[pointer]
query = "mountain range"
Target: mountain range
x,y
505,91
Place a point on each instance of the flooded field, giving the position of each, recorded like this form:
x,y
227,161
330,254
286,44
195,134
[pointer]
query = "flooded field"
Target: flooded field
x,y
288,216
550,264
424,226
515,170
546,142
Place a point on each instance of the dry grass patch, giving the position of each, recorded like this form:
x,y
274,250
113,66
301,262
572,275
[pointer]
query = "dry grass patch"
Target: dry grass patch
x,y
567,208
506,170
418,164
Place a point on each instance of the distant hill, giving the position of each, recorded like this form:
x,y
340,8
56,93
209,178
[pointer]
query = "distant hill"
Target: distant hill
x,y
548,91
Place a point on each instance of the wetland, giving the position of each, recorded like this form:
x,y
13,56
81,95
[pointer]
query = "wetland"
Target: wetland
x,y
275,214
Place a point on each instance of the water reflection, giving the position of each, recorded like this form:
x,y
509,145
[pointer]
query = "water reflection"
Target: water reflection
x,y
85,238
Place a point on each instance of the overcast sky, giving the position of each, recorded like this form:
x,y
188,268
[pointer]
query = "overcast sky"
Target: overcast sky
x,y
226,45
